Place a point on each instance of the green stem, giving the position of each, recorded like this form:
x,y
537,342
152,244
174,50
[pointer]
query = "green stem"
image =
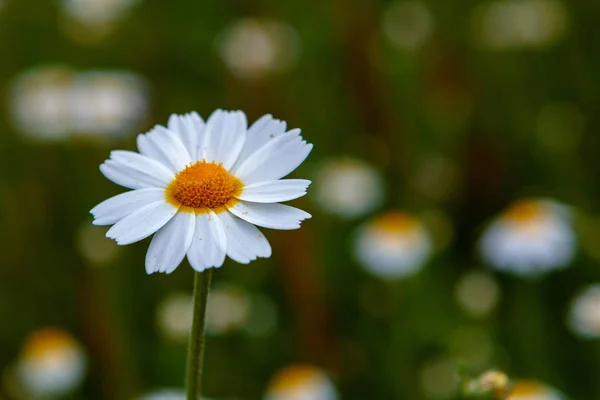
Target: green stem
x,y
196,346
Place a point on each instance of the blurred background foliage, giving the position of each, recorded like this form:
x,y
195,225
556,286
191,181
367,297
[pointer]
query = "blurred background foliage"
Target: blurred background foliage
x,y
448,111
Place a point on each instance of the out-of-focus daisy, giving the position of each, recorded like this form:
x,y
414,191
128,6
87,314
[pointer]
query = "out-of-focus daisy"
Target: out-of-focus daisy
x,y
97,12
202,188
507,24
107,102
407,24
228,309
301,382
40,102
93,20
55,102
533,390
584,314
393,245
174,316
256,48
52,363
477,293
166,394
530,238
348,187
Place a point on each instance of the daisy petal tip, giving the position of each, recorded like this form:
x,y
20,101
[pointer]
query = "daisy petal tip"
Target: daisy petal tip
x,y
305,215
98,222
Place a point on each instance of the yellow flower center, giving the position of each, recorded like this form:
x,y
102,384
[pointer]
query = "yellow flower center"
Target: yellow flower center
x,y
524,211
46,341
292,377
203,187
524,389
395,221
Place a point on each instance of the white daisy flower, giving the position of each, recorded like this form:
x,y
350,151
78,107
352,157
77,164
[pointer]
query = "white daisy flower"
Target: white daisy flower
x,y
202,188
348,187
301,382
52,363
393,245
584,314
166,394
530,238
533,390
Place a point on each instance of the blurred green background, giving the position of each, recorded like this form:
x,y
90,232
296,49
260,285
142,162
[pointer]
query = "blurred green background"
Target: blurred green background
x,y
461,107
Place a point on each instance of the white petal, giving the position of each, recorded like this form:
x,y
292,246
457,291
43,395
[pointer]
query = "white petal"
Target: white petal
x,y
170,244
135,171
190,129
274,160
244,241
142,223
209,243
275,216
263,130
118,207
274,191
224,137
115,174
164,146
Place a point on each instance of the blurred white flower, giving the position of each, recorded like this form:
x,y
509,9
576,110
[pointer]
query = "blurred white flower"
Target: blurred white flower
x,y
584,314
41,102
439,378
108,103
348,187
301,382
531,238
506,24
93,20
477,293
53,103
228,309
407,25
393,245
166,394
52,363
97,12
257,48
174,316
533,390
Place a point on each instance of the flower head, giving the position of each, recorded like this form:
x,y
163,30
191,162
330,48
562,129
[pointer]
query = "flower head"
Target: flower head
x,y
393,245
348,187
298,382
584,314
533,390
52,363
202,188
530,238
